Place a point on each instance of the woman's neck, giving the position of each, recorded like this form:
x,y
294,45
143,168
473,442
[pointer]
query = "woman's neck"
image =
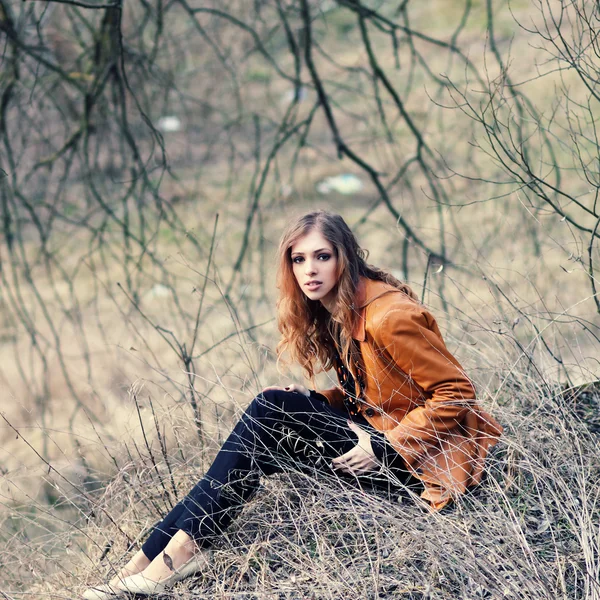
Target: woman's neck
x,y
328,302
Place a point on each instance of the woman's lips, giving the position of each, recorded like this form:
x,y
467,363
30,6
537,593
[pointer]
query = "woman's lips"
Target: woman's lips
x,y
313,286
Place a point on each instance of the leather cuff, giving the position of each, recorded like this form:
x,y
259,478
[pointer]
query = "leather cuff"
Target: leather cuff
x,y
316,396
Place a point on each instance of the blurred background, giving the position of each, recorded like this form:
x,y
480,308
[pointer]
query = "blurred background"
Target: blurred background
x,y
151,153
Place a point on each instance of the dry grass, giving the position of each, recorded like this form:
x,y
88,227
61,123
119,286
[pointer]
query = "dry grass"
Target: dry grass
x,y
78,481
529,531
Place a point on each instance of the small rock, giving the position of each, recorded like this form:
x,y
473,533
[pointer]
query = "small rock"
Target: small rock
x,y
159,291
169,124
286,190
346,184
288,97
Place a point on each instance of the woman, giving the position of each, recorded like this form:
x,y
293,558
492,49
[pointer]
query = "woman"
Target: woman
x,y
404,407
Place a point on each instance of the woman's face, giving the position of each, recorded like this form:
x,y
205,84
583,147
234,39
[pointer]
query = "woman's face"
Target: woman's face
x,y
314,264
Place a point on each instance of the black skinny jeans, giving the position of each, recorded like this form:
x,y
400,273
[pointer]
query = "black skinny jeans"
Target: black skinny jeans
x,y
280,431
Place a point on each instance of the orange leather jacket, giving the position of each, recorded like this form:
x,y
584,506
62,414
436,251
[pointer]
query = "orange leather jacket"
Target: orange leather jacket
x,y
418,394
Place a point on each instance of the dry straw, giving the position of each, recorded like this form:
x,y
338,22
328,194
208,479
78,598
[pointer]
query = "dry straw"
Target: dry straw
x,y
529,531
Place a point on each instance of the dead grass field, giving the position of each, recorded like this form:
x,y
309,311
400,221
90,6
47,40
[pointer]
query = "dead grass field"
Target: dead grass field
x,y
89,464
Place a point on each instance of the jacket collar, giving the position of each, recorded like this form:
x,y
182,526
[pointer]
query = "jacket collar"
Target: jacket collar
x,y
367,291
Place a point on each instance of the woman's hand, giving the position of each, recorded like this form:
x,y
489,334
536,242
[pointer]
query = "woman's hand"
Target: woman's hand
x,y
293,387
361,459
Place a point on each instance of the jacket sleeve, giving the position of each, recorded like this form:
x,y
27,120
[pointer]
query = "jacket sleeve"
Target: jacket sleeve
x,y
334,397
411,338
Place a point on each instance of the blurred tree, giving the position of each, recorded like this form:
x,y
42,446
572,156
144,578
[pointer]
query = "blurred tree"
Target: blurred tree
x,y
113,115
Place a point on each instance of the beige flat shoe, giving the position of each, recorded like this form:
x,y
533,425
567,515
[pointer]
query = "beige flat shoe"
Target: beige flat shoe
x,y
138,584
104,591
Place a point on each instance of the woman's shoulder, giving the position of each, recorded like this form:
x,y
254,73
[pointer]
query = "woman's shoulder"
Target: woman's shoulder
x,y
371,290
395,303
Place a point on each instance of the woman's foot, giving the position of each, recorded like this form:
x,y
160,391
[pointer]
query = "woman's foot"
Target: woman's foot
x,y
178,552
113,589
178,560
104,591
136,565
139,584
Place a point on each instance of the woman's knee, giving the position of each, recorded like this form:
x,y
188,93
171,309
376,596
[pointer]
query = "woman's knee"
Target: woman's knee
x,y
279,401
265,404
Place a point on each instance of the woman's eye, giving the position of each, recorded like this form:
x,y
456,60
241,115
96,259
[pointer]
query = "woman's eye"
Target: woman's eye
x,y
297,259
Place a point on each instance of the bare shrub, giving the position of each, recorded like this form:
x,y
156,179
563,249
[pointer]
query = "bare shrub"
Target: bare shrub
x,y
150,153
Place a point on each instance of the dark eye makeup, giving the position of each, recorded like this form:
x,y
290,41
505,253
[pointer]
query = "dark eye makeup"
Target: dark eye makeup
x,y
327,257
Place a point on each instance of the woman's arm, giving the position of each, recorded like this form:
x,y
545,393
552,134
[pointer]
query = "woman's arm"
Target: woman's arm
x,y
413,341
334,397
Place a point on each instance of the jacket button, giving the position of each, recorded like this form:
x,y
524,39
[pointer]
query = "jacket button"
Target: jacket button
x,y
369,412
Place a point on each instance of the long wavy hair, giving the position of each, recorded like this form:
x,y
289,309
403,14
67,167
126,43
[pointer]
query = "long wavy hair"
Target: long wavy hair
x,y
309,331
